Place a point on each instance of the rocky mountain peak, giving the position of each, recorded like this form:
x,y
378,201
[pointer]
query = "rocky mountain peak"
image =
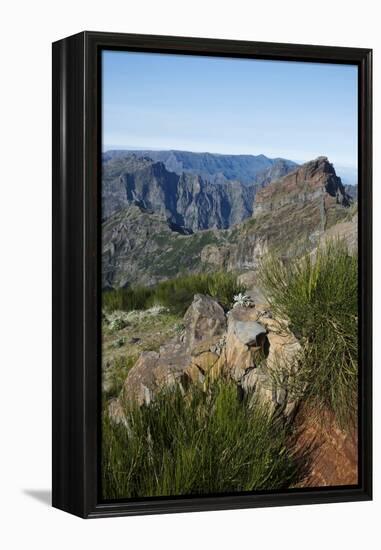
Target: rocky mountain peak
x,y
316,178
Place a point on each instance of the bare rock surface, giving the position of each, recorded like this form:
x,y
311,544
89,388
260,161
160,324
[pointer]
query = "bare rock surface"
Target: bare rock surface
x,y
259,347
248,347
204,319
316,178
184,358
249,332
155,370
188,200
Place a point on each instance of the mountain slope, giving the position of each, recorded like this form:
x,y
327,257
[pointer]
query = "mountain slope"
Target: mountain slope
x,y
186,200
290,217
140,247
313,179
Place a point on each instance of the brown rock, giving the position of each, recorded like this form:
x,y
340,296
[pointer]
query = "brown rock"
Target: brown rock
x,y
206,345
203,320
312,180
205,324
153,371
265,368
205,361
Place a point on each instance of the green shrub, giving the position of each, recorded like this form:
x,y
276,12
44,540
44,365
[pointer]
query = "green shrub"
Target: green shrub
x,y
117,374
203,442
126,299
176,294
318,294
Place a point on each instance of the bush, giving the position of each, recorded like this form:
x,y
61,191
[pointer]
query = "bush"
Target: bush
x,y
126,299
203,442
319,297
176,294
116,375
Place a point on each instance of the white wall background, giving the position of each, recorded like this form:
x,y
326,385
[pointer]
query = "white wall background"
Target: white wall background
x,y
27,29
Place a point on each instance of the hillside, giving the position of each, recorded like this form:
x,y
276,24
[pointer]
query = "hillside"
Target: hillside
x,y
186,200
290,217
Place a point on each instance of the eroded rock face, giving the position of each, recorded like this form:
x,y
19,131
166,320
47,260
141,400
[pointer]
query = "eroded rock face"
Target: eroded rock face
x,y
187,200
260,350
215,255
249,333
314,179
215,168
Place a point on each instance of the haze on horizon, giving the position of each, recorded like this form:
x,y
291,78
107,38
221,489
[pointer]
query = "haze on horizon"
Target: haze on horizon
x,y
294,110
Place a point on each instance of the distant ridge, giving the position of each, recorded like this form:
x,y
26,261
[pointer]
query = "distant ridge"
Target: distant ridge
x,y
248,169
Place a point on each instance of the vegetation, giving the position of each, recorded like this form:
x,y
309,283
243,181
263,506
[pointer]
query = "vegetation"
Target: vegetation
x,y
204,442
117,374
126,335
318,294
176,294
126,299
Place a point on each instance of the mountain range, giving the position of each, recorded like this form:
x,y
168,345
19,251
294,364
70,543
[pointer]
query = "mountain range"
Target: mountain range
x,y
194,191
289,216
247,169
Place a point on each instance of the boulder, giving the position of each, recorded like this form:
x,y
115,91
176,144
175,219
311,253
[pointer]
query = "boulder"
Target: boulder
x,y
184,359
249,332
243,346
261,355
259,383
155,370
205,365
215,344
203,320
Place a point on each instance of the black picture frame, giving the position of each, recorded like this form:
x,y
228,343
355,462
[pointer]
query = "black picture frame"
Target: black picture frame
x,y
76,154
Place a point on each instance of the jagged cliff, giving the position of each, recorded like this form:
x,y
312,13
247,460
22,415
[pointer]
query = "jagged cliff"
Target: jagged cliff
x,y
314,179
290,217
186,200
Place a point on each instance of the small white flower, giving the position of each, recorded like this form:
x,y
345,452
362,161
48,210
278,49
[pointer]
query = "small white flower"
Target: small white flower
x,y
242,300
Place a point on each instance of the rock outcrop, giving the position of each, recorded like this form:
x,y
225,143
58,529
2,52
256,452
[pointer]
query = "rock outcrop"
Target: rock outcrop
x,y
313,180
261,355
277,170
155,370
204,319
248,346
204,323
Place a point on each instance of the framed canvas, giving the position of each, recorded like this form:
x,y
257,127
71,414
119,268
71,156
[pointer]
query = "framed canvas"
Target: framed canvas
x,y
212,215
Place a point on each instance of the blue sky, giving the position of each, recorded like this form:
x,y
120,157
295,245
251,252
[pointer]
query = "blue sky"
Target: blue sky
x,y
294,110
